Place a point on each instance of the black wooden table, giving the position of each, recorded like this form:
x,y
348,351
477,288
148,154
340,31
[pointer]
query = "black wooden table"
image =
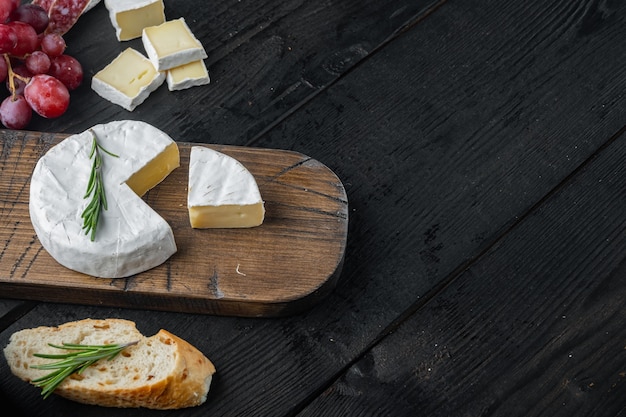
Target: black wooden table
x,y
482,145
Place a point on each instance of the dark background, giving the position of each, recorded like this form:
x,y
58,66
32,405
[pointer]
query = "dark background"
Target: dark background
x,y
482,147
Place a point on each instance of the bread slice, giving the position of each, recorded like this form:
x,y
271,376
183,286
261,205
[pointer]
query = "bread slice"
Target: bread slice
x,y
159,372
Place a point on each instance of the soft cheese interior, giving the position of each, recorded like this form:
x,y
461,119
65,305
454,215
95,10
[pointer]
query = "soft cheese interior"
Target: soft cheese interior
x,y
131,237
188,75
222,193
155,170
171,44
129,17
128,80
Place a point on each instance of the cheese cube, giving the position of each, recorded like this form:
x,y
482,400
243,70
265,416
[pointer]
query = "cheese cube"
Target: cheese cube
x,y
130,17
128,80
222,193
187,76
171,44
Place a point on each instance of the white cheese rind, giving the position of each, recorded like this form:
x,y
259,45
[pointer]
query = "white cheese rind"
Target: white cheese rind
x,y
131,237
91,5
129,13
218,180
156,37
179,79
113,94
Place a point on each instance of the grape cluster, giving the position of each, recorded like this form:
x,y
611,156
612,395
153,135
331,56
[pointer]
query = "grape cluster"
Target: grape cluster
x,y
33,65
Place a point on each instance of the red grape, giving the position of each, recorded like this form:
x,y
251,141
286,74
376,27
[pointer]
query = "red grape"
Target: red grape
x,y
47,96
6,7
33,65
17,83
15,112
32,14
37,62
53,44
68,70
8,39
27,40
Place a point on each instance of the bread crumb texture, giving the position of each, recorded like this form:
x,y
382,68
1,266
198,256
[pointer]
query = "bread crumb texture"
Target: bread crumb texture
x,y
159,372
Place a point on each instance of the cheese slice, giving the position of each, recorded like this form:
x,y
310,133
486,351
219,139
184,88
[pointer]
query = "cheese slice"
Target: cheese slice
x,y
128,80
171,44
130,236
187,76
222,193
130,17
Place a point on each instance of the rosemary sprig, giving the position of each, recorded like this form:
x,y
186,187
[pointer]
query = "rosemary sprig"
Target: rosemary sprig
x,y
95,189
80,358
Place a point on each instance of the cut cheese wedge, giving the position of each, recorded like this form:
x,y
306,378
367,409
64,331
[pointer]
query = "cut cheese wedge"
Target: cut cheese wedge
x,y
130,237
128,80
130,17
222,193
187,76
171,44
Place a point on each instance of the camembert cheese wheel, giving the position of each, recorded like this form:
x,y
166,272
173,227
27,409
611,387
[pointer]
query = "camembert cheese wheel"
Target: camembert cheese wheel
x,y
130,237
222,193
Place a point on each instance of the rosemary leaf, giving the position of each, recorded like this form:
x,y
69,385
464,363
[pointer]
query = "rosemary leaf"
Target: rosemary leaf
x,y
95,189
93,145
76,360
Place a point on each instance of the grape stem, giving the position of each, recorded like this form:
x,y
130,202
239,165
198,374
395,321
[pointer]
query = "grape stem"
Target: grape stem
x,y
11,75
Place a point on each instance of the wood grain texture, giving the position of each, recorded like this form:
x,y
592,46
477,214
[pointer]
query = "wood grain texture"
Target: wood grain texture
x,y
444,142
444,138
266,58
13,310
554,348
281,267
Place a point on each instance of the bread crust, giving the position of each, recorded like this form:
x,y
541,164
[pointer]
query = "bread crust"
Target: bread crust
x,y
186,384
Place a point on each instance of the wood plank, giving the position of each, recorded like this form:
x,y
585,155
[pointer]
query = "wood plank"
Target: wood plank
x,y
266,58
441,170
280,267
439,159
7,305
13,310
535,327
441,208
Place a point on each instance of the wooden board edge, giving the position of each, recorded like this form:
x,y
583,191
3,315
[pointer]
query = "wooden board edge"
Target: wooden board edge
x,y
229,307
149,301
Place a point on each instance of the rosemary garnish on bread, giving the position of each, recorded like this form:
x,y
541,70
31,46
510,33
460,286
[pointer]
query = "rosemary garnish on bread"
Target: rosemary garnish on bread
x,y
95,186
160,372
76,360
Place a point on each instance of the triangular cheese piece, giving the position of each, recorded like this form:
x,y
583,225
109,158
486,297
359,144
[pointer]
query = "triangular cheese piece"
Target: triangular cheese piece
x,y
130,237
222,193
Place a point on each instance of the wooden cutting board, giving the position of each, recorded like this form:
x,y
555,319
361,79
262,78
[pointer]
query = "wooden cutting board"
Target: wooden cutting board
x,y
283,266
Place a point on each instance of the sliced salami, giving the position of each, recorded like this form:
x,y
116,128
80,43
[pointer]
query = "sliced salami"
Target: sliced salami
x,y
64,14
45,4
